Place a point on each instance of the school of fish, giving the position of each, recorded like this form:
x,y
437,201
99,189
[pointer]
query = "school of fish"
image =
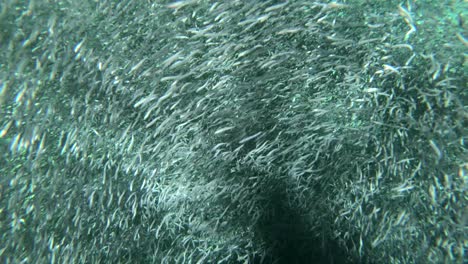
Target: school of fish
x,y
205,131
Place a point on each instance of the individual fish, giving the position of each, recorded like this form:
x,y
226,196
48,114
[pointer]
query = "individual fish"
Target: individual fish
x,y
250,137
78,46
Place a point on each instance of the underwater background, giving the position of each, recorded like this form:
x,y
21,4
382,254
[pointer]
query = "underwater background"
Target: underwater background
x,y
199,131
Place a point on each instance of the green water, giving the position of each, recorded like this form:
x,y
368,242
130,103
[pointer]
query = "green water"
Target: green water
x,y
233,131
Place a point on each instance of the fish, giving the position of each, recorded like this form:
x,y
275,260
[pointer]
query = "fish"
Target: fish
x,y
5,129
435,148
224,129
137,66
276,7
250,138
78,46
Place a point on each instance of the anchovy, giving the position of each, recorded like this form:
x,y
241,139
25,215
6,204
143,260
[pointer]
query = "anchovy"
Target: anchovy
x,y
250,138
221,130
78,46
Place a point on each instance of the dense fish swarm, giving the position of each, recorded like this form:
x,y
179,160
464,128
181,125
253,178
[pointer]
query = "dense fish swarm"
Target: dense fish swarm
x,y
234,131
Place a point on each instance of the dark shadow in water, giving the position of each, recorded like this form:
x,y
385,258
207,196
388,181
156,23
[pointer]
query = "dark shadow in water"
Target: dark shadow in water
x,y
286,232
